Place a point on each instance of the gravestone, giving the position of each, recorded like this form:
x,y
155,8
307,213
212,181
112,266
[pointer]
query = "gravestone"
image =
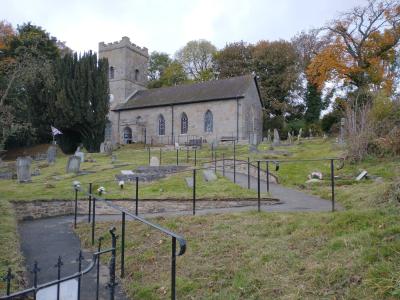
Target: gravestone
x,y
269,136
36,172
108,148
341,134
51,154
277,140
113,159
253,149
73,164
154,162
310,133
102,148
80,154
209,175
189,182
24,169
299,135
289,137
127,172
253,139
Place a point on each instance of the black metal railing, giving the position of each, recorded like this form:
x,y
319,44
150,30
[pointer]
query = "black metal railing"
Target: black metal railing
x,y
36,288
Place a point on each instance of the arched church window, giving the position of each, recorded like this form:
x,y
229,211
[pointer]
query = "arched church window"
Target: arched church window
x,y
127,135
161,125
111,73
136,74
208,121
184,123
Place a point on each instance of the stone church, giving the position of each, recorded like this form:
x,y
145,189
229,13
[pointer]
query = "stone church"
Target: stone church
x,y
226,109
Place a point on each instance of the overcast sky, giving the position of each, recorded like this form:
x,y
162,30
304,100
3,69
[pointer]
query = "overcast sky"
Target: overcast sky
x,y
168,25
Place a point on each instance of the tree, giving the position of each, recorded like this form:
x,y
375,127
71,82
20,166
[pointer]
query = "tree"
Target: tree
x,y
277,67
361,48
174,74
158,62
197,59
234,59
313,102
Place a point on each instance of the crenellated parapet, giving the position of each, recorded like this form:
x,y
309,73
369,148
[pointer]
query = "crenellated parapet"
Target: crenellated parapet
x,y
124,42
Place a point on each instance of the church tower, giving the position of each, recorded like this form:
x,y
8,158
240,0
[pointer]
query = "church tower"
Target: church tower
x,y
128,65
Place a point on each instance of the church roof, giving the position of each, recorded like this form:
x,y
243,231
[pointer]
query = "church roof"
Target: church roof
x,y
222,89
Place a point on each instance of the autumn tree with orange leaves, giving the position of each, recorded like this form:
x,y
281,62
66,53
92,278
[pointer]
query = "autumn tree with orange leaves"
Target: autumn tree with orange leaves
x,y
361,48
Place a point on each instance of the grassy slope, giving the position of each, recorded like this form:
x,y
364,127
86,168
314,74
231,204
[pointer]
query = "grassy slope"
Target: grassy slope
x,y
354,254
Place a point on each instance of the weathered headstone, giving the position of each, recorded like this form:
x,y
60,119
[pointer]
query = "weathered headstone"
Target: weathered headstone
x,y
36,172
113,158
253,149
127,172
81,155
108,147
277,140
189,182
51,154
73,164
269,136
102,148
154,162
310,133
209,175
341,134
289,137
24,169
299,135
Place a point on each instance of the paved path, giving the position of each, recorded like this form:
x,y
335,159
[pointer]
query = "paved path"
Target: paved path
x,y
45,239
292,200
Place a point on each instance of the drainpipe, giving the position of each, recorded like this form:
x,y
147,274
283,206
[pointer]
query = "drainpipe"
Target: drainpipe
x,y
119,136
237,118
172,124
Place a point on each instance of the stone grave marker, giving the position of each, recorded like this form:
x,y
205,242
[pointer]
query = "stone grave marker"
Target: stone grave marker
x,y
269,136
209,175
51,154
189,182
299,135
289,137
341,134
253,149
154,161
24,169
102,148
80,154
127,172
277,140
73,164
310,133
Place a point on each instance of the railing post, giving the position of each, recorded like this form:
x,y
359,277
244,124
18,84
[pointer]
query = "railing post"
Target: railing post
x,y
58,266
267,162
333,184
223,164
195,157
137,196
98,268
123,246
148,151
79,260
177,157
234,161
160,156
93,219
76,207
35,277
248,172
215,162
187,155
173,268
90,201
194,192
8,279
258,186
212,152
111,284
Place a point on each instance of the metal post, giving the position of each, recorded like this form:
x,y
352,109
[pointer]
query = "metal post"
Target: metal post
x,y
234,161
80,258
35,277
267,176
333,184
98,268
215,162
212,152
177,156
8,278
248,172
90,201
187,155
258,186
93,219
58,266
195,157
123,246
111,284
160,156
194,192
148,150
76,207
223,164
137,196
173,268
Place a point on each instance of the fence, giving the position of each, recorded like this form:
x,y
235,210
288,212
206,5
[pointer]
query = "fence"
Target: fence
x,y
36,289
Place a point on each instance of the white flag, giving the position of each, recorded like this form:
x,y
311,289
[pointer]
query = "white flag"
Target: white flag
x,y
55,131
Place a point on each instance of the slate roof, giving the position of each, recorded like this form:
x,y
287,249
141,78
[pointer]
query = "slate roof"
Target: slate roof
x,y
222,89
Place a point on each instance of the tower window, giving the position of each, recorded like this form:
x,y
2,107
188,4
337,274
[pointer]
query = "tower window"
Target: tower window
x,y
161,125
111,74
208,121
184,123
136,74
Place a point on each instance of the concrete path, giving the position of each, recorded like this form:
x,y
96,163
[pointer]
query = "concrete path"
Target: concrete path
x,y
45,239
292,200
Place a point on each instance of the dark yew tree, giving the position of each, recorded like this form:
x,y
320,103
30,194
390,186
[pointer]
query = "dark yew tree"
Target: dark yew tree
x,y
234,59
